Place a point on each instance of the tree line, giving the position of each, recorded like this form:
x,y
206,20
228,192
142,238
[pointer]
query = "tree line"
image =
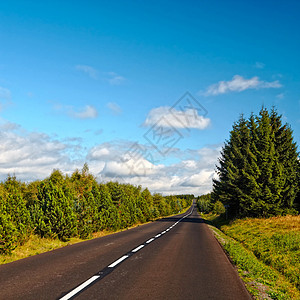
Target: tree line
x,y
63,206
259,168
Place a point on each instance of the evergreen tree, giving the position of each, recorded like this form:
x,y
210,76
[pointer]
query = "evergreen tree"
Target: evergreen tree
x,y
8,231
258,167
146,204
16,208
57,217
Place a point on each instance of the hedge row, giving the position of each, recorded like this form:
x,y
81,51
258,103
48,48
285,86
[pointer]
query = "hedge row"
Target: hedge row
x,y
63,206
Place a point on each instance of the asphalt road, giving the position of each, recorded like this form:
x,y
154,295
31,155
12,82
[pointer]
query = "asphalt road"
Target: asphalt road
x,y
185,262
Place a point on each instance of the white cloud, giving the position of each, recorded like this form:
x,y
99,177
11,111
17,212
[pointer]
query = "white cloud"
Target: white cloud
x,y
111,77
114,78
115,108
98,152
130,168
88,112
90,71
32,155
280,96
199,179
8,126
164,116
120,161
239,84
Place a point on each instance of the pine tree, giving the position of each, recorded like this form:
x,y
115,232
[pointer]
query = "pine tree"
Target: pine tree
x,y
287,156
258,167
230,188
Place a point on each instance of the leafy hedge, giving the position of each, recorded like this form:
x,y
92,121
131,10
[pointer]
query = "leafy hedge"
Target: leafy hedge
x,y
63,206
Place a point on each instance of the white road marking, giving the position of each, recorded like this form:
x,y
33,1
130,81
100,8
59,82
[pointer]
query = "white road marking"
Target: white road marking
x,y
79,288
117,261
137,248
149,241
95,277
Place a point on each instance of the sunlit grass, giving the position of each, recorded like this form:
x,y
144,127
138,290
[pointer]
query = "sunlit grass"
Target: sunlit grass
x,y
275,241
35,245
266,252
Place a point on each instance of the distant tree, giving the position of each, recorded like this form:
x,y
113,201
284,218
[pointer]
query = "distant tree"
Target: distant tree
x,y
204,203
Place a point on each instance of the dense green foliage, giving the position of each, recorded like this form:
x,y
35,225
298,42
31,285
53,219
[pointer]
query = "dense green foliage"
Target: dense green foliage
x,y
64,206
204,203
259,168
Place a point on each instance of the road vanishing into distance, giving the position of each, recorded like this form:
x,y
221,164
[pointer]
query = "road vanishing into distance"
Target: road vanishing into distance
x,y
172,258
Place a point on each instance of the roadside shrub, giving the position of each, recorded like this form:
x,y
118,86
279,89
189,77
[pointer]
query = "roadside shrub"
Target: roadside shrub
x,y
219,208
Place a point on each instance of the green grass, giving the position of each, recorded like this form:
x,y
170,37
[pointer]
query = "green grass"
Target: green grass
x,y
266,252
35,245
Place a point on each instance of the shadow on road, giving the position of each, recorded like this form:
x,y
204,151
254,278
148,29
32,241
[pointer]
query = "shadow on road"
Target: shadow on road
x,y
186,220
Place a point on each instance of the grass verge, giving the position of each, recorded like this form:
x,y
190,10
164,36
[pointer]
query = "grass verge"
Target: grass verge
x,y
266,253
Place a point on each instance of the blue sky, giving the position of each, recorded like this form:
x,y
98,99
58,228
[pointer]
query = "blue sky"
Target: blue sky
x,y
90,81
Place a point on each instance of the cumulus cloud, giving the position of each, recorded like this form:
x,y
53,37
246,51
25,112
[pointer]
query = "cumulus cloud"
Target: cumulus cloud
x,y
129,162
199,179
164,116
88,112
239,84
90,71
31,155
115,108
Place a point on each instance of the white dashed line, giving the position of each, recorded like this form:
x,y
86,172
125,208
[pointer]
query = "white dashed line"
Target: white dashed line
x,y
95,277
149,241
117,261
137,248
79,288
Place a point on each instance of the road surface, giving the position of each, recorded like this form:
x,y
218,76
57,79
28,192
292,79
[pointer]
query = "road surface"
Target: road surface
x,y
173,258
